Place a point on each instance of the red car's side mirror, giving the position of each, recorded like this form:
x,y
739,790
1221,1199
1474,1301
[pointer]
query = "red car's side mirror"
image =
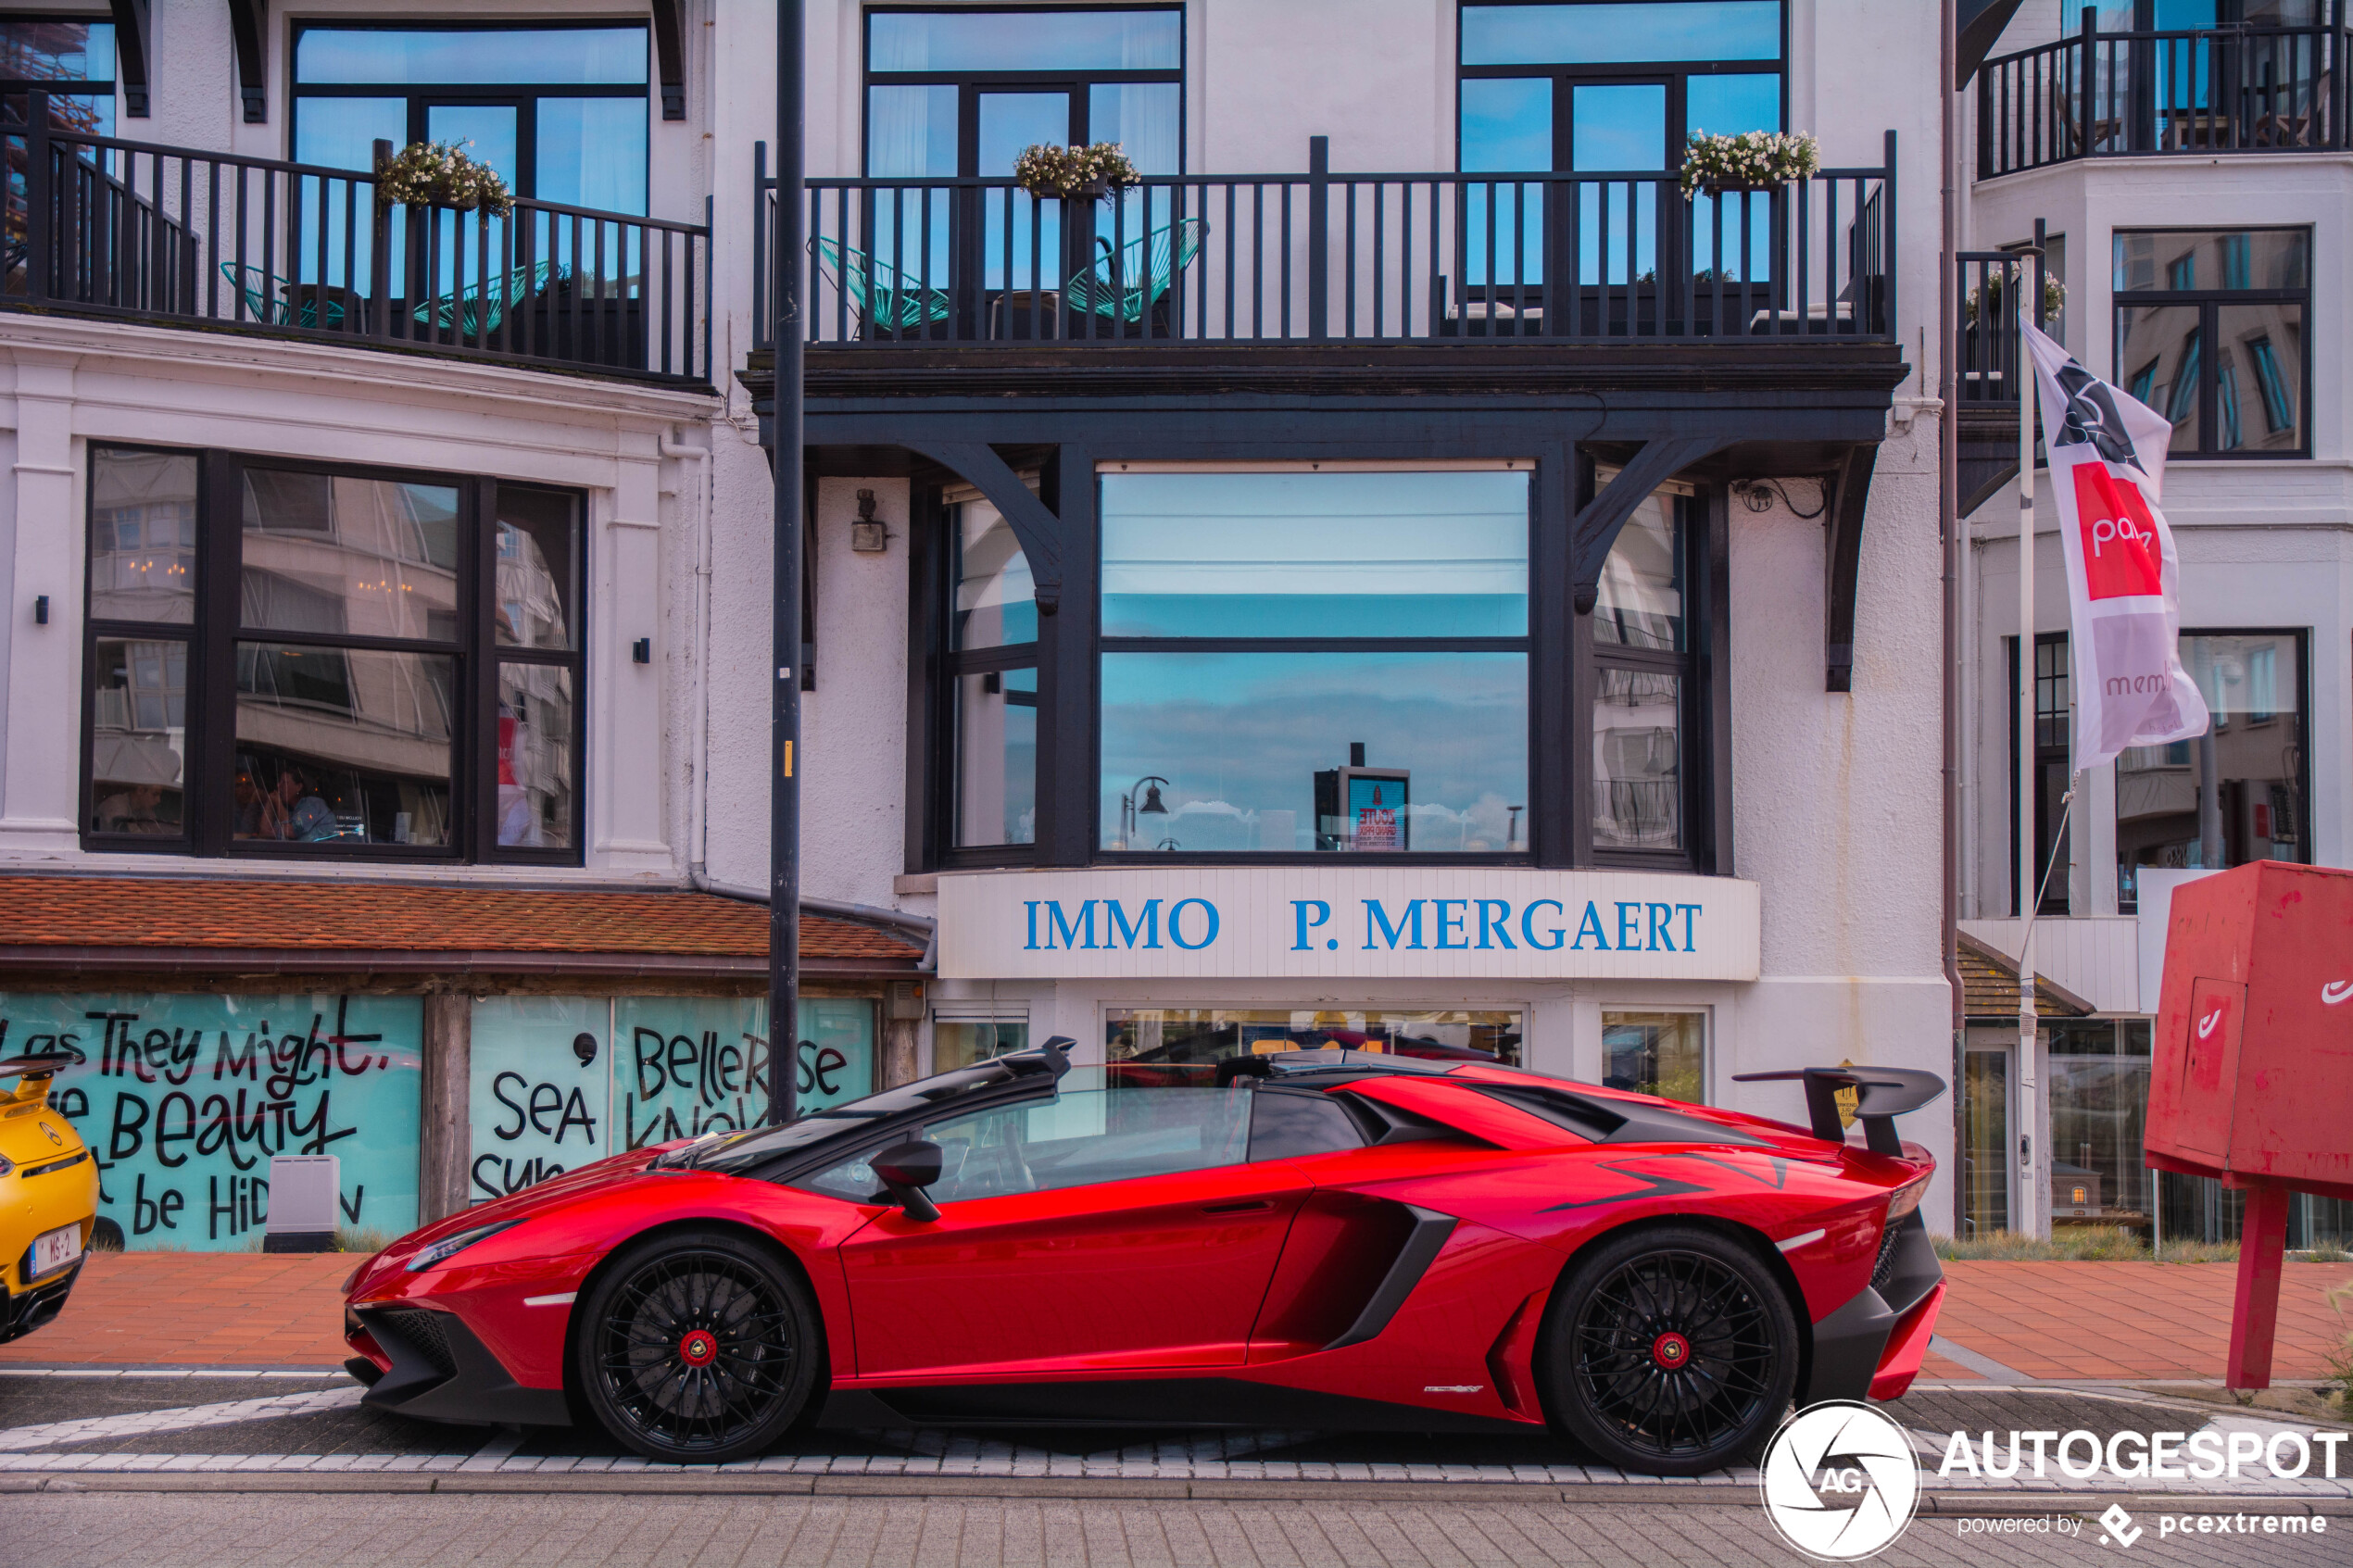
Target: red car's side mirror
x,y
904,1171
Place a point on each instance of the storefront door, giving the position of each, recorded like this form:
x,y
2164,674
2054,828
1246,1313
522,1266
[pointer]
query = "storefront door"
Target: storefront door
x,y
1108,1229
1985,1135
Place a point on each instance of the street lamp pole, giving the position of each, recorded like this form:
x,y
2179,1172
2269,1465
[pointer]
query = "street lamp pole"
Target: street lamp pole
x,y
784,777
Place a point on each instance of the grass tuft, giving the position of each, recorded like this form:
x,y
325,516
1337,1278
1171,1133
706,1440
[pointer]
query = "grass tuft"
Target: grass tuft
x,y
361,1239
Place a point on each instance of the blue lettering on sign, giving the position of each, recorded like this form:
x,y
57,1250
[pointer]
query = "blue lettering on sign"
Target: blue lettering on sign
x,y
1057,925
1176,922
1376,914
1298,907
1661,937
1527,926
1450,924
1630,941
1119,929
1690,912
1492,913
1589,925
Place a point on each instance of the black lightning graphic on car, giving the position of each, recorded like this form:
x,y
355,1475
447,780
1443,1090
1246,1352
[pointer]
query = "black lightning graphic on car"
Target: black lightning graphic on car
x,y
1653,1185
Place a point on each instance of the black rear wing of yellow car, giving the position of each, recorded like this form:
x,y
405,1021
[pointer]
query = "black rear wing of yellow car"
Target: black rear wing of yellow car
x,y
34,1070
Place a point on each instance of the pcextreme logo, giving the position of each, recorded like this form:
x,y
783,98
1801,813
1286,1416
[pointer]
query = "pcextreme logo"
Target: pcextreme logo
x,y
2117,1525
1841,1481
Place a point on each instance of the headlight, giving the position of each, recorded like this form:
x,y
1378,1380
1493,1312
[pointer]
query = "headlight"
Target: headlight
x,y
7,1165
1907,1199
448,1247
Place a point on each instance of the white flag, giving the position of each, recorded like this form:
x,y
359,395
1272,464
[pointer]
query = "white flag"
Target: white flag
x,y
2106,454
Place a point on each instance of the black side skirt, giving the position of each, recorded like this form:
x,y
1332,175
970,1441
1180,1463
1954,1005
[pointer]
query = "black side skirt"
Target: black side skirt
x,y
1171,1402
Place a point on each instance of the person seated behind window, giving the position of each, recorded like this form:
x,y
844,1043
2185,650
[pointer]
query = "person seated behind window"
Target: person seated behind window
x,y
294,811
133,810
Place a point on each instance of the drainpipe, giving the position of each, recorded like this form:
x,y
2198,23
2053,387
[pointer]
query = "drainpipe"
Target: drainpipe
x,y
1948,494
698,822
922,925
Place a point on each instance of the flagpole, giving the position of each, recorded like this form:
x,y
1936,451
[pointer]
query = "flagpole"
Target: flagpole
x,y
2032,1216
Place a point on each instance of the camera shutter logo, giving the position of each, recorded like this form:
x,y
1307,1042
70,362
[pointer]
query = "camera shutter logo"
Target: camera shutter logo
x,y
1841,1481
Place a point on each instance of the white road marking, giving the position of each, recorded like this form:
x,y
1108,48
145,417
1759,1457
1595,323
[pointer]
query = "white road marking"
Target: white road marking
x,y
138,1423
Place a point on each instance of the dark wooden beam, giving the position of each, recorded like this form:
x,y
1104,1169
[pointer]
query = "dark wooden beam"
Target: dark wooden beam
x,y
1598,521
133,54
1850,493
670,58
249,36
978,464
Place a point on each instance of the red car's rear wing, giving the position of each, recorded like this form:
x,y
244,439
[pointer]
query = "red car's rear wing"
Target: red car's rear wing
x,y
1881,1094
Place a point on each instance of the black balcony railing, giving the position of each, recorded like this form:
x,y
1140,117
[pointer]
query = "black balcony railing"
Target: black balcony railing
x,y
1323,258
2110,94
173,236
1986,353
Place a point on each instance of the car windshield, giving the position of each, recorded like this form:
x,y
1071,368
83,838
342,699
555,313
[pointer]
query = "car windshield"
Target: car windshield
x,y
737,1151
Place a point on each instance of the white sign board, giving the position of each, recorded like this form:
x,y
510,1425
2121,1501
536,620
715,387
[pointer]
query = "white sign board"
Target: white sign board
x,y
1319,922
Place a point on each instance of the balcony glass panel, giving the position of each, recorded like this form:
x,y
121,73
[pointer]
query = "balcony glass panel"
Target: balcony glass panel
x,y
455,58
1241,738
1314,554
1620,33
143,553
1032,42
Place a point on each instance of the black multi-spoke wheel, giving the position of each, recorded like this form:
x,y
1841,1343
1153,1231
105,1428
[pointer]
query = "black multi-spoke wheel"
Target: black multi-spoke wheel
x,y
1671,1351
697,1347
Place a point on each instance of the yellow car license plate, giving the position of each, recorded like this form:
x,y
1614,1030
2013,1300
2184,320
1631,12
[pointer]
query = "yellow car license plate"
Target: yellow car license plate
x,y
54,1250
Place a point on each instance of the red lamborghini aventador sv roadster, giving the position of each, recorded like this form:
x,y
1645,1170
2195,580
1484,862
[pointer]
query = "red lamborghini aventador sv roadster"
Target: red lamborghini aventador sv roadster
x,y
1321,1238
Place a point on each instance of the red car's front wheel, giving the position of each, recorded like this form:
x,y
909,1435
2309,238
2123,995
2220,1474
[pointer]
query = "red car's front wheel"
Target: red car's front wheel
x,y
1670,1351
697,1347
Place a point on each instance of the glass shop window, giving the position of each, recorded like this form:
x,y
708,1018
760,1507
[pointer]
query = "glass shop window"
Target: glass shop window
x,y
1657,1053
1305,661
1181,1046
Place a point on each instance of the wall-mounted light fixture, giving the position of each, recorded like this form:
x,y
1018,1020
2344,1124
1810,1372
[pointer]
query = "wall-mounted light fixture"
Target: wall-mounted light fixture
x,y
867,536
41,611
642,651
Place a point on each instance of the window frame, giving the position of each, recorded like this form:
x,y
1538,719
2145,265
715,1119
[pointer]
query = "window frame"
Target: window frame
x,y
2207,302
970,85
215,629
522,97
1675,74
1700,1011
1556,829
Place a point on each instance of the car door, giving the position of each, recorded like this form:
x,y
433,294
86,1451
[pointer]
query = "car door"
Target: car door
x,y
1107,1229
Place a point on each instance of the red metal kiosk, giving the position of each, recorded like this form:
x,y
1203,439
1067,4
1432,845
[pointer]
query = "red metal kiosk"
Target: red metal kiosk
x,y
2251,1078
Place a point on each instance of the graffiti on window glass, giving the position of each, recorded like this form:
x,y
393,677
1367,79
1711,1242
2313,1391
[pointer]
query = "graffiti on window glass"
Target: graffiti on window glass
x,y
183,1100
540,1092
683,1066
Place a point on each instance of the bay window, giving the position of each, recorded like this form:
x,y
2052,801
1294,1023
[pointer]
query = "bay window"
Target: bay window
x,y
311,660
1310,660
2210,333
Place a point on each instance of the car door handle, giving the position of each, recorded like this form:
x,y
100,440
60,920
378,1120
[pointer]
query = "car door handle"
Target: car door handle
x,y
1242,1206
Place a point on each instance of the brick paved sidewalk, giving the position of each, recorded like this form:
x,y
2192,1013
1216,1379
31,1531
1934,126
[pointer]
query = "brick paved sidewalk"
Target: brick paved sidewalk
x,y
2127,1322
197,1308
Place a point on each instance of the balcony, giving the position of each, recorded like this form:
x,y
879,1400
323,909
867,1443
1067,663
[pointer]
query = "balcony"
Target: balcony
x,y
1317,258
1987,365
101,227
2245,89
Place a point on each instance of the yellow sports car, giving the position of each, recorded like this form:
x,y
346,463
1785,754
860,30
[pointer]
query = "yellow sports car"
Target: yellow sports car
x,y
49,1193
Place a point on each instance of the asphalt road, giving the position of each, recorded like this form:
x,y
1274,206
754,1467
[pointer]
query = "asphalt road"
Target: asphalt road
x,y
181,1530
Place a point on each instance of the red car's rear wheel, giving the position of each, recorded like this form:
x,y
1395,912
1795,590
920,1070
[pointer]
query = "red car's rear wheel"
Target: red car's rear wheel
x,y
1670,1351
697,1347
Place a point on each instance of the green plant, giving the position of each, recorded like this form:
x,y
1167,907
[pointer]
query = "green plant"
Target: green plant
x,y
2053,297
1752,160
2341,1362
2327,1252
440,174
1044,170
361,1239
2109,1244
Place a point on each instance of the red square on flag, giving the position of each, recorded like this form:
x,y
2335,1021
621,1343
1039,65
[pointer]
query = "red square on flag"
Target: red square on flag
x,y
2120,555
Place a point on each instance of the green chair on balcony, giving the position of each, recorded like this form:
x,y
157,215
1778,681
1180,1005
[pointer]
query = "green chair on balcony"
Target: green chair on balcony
x,y
1126,284
487,306
886,303
278,302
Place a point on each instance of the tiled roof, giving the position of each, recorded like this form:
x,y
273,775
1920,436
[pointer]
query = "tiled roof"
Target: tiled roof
x,y
156,914
1989,984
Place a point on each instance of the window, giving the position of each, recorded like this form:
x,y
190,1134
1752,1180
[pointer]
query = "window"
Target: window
x,y
1616,87
2054,732
960,93
1320,661
992,638
306,661
70,58
2237,792
2099,1095
960,1042
1147,1046
1657,1053
1643,670
2209,331
560,112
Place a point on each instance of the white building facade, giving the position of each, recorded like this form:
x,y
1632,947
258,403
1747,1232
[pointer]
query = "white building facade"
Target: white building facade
x,y
1403,574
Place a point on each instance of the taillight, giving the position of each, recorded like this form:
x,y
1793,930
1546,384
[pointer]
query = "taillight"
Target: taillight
x,y
1906,1199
